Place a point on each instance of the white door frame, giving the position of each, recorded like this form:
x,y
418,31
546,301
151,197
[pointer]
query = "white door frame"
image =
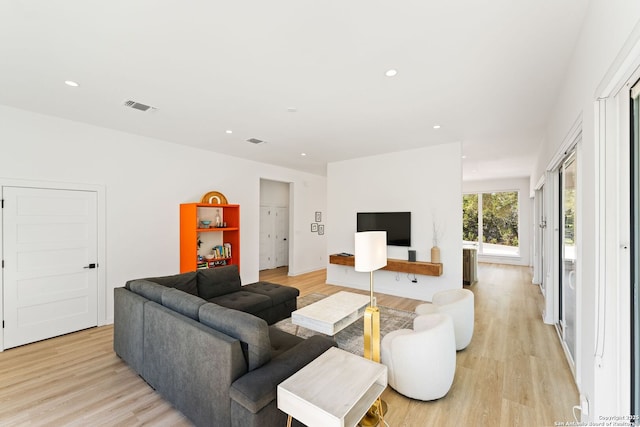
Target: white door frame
x,y
539,226
290,217
613,314
612,365
100,192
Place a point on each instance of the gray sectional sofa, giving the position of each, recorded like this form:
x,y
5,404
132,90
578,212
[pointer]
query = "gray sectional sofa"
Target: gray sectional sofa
x,y
204,343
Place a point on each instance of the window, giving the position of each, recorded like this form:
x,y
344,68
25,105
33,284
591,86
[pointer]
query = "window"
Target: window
x,y
490,221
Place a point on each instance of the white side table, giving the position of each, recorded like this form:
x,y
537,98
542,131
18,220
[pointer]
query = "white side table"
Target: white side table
x,y
335,390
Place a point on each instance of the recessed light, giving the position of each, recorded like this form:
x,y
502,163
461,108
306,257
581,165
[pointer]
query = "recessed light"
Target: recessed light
x,y
464,157
228,131
71,83
303,154
436,126
390,73
292,110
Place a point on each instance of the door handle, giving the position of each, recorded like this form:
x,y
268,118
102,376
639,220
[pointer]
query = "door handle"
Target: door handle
x,y
90,266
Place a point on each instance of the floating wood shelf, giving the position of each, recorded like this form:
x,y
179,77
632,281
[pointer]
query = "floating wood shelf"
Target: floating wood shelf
x,y
413,267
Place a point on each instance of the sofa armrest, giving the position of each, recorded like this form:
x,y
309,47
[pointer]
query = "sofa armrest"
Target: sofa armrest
x,y
128,324
258,388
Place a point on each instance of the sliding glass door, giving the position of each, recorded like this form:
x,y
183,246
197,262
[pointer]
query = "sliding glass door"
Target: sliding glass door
x,y
567,300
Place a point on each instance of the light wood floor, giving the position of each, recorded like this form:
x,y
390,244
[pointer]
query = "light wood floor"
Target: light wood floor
x,y
512,374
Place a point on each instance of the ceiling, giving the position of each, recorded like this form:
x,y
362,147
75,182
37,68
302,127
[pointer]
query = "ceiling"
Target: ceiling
x,y
486,71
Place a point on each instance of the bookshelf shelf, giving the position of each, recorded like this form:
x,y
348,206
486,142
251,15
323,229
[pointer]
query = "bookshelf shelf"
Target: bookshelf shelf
x,y
191,233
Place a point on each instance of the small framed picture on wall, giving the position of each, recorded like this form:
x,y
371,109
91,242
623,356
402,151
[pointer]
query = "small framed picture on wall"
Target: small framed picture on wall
x,y
314,227
318,216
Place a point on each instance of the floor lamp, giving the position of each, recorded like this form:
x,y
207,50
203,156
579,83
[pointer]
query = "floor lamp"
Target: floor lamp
x,y
371,255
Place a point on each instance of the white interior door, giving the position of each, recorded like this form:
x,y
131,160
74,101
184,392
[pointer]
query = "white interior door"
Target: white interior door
x,y
281,237
267,257
50,260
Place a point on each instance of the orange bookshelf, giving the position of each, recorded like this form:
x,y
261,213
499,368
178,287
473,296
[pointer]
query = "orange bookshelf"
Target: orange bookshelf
x,y
191,232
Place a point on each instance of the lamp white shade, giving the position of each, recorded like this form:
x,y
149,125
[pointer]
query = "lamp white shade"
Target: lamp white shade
x,y
371,250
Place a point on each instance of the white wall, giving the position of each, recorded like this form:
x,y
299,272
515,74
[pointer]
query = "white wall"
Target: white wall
x,y
521,185
428,183
607,27
274,193
145,181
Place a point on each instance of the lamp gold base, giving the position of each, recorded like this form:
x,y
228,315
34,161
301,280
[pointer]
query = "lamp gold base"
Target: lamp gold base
x,y
372,417
372,334
372,352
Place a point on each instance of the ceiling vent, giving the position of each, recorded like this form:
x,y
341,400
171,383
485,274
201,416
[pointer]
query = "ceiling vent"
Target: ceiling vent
x,y
138,106
255,141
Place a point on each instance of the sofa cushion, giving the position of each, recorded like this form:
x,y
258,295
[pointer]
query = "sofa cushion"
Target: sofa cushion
x,y
277,293
147,289
182,302
251,331
184,282
249,302
281,341
213,282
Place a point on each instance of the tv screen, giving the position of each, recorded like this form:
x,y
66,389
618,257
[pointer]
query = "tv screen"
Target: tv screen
x,y
396,224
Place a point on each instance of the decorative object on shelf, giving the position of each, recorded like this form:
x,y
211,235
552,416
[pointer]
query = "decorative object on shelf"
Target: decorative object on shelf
x,y
318,216
320,229
435,255
314,227
218,220
371,255
205,224
435,250
214,198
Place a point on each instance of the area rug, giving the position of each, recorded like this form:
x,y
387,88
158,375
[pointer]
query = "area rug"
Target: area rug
x,y
351,338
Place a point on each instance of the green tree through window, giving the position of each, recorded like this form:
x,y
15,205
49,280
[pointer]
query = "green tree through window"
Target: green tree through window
x,y
470,217
498,216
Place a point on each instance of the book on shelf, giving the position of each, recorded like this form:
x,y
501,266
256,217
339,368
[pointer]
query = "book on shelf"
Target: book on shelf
x,y
217,263
222,251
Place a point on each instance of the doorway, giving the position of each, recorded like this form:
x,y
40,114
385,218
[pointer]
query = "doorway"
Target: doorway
x,y
274,224
50,256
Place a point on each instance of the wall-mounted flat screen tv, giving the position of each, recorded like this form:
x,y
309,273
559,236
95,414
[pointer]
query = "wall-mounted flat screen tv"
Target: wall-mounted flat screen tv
x,y
396,224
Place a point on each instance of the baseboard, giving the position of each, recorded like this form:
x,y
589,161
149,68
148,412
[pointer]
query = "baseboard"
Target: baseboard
x,y
298,273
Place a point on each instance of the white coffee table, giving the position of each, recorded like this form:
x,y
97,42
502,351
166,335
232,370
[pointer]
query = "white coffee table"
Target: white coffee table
x,y
334,390
331,314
